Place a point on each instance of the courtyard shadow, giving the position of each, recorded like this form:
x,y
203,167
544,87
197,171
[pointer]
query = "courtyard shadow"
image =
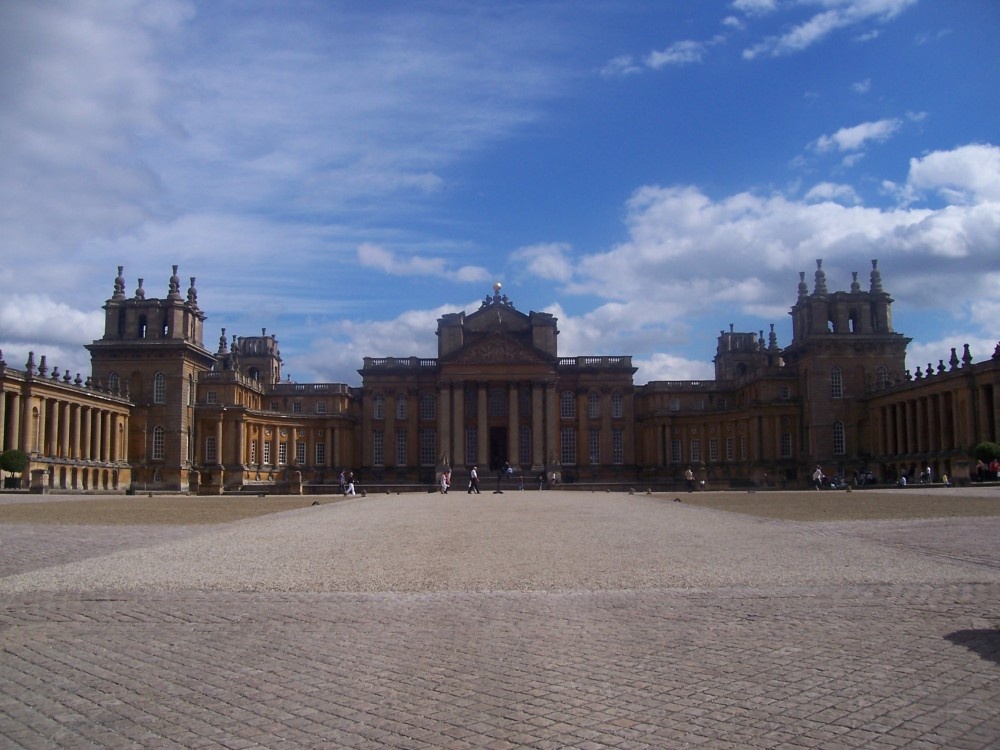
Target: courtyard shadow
x,y
984,641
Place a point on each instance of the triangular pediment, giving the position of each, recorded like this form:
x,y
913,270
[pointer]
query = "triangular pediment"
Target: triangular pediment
x,y
498,349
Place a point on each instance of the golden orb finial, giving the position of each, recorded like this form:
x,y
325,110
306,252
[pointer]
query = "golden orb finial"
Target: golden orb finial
x,y
496,287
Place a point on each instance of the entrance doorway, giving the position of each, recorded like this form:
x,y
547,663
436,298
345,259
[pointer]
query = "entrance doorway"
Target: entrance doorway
x,y
498,448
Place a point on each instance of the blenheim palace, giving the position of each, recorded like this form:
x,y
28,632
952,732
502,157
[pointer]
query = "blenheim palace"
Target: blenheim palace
x,y
161,412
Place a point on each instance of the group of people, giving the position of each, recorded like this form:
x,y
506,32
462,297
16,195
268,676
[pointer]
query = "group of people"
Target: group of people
x,y
346,482
988,472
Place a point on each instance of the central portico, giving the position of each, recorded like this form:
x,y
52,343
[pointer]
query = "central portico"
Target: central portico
x,y
497,393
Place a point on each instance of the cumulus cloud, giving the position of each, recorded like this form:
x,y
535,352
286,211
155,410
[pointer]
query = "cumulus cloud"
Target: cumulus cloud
x,y
829,191
547,261
968,174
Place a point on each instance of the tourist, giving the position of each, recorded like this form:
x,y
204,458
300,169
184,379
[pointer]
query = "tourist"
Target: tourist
x,y
474,481
817,478
689,478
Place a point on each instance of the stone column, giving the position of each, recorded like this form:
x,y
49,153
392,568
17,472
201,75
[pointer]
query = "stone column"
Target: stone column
x,y
27,426
51,433
537,426
75,449
444,447
3,420
482,427
513,425
64,417
106,436
458,420
551,423
84,433
218,439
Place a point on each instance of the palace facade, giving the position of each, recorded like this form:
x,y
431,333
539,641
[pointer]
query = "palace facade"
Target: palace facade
x,y
161,412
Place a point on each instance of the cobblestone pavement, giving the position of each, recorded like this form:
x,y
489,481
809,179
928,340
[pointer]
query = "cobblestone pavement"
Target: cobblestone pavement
x,y
892,644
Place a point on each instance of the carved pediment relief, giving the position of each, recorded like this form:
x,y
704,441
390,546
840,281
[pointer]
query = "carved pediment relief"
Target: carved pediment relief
x,y
497,350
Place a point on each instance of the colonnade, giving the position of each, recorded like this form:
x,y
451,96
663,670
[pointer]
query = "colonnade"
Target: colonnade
x,y
51,427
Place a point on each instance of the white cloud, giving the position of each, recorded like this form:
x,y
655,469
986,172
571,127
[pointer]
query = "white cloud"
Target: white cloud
x,y
547,261
839,14
678,53
754,7
862,87
662,366
829,191
966,174
859,136
622,65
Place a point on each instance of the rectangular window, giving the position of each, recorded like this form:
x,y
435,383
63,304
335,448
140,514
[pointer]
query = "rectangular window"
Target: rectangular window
x,y
401,408
471,445
743,448
428,446
274,406
695,451
282,454
567,446
321,454
730,449
321,407
428,407
158,446
253,451
839,439
524,446
211,450
567,405
617,446
617,407
296,407
378,448
675,404
784,393
300,454
675,451
401,457
786,445
267,452
713,449
211,397
594,444
593,405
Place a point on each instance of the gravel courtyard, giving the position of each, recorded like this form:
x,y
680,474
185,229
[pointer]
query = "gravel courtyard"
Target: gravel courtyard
x,y
521,619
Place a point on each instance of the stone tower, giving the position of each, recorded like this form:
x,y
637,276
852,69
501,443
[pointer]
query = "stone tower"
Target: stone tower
x,y
843,347
152,350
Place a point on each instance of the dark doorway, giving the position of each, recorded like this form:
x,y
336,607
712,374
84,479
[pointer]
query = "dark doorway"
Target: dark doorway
x,y
498,448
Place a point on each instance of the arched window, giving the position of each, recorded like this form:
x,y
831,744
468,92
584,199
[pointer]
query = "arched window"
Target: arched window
x,y
114,382
567,406
839,440
836,383
158,449
159,388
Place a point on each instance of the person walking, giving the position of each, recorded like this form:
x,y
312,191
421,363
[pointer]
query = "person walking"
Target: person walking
x,y
689,478
818,478
474,481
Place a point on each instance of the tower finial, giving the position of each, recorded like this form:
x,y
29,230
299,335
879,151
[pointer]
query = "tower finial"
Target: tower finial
x,y
876,277
820,278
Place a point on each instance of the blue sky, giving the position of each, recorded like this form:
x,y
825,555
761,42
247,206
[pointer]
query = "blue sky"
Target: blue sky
x,y
343,173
